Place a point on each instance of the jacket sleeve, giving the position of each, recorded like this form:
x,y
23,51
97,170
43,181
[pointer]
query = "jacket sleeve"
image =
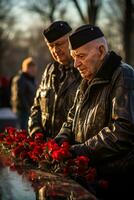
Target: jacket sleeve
x,y
66,132
118,137
35,121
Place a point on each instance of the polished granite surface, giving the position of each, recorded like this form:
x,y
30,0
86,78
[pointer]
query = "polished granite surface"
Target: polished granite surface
x,y
24,183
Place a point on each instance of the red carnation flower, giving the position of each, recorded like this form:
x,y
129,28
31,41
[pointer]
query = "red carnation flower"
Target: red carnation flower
x,y
10,130
38,137
65,145
82,161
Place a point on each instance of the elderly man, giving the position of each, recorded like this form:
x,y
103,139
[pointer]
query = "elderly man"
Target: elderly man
x,y
60,80
101,122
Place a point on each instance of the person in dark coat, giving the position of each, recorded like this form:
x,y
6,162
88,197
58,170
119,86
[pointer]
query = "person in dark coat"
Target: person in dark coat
x,y
59,83
100,124
23,89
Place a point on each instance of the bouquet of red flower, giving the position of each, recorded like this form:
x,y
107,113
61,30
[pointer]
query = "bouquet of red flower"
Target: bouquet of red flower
x,y
48,156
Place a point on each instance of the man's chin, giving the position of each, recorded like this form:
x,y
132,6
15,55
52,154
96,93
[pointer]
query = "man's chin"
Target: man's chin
x,y
62,61
86,77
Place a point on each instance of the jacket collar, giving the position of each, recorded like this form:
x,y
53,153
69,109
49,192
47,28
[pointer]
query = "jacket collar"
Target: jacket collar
x,y
72,75
111,63
105,73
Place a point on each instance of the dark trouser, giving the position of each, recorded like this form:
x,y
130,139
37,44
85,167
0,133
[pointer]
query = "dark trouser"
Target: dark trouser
x,y
23,119
120,174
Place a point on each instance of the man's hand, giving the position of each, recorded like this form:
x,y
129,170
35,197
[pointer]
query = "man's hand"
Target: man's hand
x,y
79,149
59,139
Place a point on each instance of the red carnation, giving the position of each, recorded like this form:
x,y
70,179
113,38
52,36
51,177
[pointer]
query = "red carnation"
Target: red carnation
x,y
52,145
38,136
56,155
10,130
65,145
16,151
82,161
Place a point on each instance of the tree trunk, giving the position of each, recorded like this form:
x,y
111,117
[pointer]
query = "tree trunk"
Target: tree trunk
x,y
128,20
92,10
79,11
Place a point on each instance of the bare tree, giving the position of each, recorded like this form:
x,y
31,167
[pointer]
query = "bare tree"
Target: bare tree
x,y
45,8
121,17
128,28
48,9
92,6
78,7
6,21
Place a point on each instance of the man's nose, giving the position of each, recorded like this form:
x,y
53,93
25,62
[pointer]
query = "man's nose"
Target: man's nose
x,y
77,63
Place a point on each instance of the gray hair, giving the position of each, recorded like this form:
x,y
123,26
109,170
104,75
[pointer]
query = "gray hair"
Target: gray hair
x,y
102,41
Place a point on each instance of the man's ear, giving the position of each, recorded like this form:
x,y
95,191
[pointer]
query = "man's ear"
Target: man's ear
x,y
102,52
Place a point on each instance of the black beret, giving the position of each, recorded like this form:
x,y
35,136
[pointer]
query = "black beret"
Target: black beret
x,y
56,30
84,34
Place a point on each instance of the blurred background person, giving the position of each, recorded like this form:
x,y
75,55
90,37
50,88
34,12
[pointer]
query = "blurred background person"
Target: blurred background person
x,y
23,89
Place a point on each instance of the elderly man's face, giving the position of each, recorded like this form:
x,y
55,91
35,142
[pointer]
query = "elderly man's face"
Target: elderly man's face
x,y
60,50
88,59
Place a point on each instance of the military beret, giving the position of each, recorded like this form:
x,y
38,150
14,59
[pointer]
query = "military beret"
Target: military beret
x,y
84,34
56,30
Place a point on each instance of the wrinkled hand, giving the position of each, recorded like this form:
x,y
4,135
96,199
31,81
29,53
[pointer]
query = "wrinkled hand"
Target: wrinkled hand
x,y
60,139
79,149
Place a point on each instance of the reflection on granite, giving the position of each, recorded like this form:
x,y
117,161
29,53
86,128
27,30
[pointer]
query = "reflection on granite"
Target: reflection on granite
x,y
12,187
21,183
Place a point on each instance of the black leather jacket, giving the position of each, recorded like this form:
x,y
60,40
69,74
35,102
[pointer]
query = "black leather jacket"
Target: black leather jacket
x,y
53,99
102,117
